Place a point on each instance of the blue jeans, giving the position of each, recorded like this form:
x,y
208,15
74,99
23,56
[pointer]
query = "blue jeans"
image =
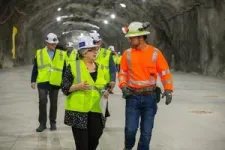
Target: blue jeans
x,y
144,107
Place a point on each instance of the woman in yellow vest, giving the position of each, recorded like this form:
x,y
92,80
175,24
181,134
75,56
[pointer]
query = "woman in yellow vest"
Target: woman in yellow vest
x,y
84,84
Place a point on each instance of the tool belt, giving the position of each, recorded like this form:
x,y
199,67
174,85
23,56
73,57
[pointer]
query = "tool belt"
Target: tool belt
x,y
142,91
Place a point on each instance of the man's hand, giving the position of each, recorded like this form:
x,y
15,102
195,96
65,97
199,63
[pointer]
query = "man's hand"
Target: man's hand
x,y
168,95
126,91
33,85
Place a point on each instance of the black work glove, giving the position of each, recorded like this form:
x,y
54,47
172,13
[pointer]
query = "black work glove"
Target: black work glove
x,y
168,95
126,92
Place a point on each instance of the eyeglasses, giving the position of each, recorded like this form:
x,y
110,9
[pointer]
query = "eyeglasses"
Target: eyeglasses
x,y
92,49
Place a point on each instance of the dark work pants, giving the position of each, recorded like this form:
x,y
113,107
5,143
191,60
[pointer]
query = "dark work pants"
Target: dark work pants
x,y
144,108
53,96
88,139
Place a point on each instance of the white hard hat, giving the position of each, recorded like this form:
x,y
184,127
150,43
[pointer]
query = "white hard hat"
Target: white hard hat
x,y
137,29
111,48
119,53
86,42
70,44
95,36
52,38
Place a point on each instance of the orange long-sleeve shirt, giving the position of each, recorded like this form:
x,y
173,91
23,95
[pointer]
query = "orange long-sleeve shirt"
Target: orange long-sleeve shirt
x,y
139,68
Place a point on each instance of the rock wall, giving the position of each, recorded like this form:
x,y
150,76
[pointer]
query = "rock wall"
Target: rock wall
x,y
194,33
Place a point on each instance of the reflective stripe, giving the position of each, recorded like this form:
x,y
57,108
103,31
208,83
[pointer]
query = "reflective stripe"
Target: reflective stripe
x,y
151,81
41,57
56,69
79,77
121,79
61,55
105,51
154,55
78,71
165,72
147,82
44,66
129,58
122,72
95,88
166,82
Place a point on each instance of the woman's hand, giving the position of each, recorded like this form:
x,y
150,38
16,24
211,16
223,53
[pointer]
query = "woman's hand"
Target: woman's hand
x,y
80,86
106,94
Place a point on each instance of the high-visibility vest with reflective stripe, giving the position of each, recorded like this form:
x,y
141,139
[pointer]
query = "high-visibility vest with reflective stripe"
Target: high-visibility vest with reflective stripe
x,y
72,57
88,100
140,68
50,70
103,59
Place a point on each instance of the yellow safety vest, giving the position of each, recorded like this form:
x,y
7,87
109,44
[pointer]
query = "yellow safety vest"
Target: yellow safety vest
x,y
118,59
71,58
115,58
50,70
88,100
103,59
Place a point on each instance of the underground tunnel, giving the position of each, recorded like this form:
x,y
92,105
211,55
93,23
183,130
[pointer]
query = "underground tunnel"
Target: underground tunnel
x,y
189,33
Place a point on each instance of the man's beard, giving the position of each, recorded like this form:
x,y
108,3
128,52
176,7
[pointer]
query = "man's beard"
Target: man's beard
x,y
134,46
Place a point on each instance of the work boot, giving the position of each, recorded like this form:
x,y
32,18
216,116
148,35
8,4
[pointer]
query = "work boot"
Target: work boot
x,y
53,127
41,128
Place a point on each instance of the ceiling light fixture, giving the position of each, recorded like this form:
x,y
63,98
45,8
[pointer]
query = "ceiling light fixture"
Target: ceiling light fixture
x,y
123,5
82,34
113,16
94,31
106,22
58,18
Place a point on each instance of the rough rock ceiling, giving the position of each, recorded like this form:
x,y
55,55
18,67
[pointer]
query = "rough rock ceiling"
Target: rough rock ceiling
x,y
190,31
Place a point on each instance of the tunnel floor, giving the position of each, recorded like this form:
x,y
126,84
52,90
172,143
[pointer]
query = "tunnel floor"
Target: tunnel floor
x,y
194,121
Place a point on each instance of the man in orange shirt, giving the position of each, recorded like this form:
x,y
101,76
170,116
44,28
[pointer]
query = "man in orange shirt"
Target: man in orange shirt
x,y
139,68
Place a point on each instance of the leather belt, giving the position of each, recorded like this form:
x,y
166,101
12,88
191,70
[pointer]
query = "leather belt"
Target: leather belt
x,y
142,91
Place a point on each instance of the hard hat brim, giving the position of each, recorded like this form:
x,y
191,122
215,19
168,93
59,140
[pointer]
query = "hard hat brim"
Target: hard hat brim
x,y
52,42
86,47
137,34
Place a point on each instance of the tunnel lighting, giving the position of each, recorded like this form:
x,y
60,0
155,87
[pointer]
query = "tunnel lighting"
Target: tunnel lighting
x,y
59,9
123,5
106,22
113,16
82,34
58,18
94,31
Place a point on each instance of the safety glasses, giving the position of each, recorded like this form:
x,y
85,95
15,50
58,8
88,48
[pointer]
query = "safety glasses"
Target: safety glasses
x,y
54,40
